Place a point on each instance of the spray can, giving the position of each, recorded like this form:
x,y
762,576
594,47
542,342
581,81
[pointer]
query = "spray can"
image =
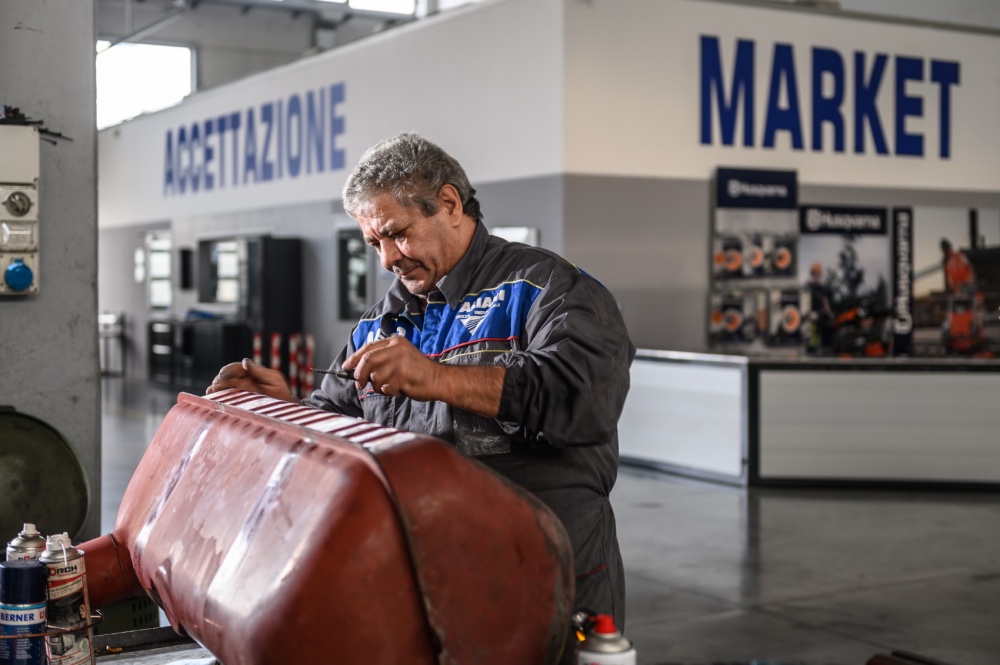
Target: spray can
x,y
29,544
603,644
22,612
69,608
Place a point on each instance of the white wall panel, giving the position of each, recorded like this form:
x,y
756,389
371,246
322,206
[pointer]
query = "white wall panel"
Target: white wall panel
x,y
685,415
932,426
633,95
462,79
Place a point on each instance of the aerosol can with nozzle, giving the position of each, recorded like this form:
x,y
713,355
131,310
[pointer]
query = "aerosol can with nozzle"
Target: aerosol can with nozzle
x,y
29,544
603,643
69,606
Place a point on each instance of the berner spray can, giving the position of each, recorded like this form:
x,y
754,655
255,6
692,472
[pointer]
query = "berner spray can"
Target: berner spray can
x,y
603,644
22,612
69,608
29,544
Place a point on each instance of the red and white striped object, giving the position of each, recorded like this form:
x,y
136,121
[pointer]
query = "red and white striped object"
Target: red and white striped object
x,y
276,351
294,342
309,378
257,355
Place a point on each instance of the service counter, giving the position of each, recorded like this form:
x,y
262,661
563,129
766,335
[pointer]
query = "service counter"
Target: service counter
x,y
811,421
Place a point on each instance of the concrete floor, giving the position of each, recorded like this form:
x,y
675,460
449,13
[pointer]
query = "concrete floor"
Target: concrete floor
x,y
723,575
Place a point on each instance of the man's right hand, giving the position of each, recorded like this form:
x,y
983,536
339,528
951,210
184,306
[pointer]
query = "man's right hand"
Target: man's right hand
x,y
248,375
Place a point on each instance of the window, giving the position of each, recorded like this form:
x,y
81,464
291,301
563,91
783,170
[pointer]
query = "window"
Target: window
x,y
127,86
388,6
160,292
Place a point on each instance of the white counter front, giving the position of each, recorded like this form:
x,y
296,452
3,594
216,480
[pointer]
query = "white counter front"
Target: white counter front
x,y
687,413
751,421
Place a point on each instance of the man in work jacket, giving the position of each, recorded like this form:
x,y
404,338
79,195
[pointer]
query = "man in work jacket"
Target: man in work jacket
x,y
507,351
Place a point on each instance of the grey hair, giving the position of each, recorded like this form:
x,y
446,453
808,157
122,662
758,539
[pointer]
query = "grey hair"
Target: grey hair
x,y
413,170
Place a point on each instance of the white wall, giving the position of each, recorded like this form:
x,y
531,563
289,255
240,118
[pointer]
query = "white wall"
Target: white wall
x,y
605,88
634,95
454,78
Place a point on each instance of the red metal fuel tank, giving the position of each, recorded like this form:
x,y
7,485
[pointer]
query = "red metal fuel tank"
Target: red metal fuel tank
x,y
272,532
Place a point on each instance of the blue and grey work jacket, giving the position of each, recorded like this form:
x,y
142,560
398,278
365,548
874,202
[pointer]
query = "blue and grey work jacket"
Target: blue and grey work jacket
x,y
566,350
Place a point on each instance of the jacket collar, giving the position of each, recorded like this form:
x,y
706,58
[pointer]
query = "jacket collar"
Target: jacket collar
x,y
455,285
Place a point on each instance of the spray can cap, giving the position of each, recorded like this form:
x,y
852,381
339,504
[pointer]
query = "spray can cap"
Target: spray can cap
x,y
57,542
604,624
22,582
29,530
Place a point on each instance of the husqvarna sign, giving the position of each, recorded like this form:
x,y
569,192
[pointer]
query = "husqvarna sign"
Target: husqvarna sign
x,y
756,188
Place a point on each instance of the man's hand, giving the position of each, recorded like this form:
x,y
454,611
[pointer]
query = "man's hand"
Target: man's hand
x,y
248,375
394,367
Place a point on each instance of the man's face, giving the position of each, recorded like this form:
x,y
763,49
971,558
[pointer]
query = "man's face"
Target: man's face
x,y
419,250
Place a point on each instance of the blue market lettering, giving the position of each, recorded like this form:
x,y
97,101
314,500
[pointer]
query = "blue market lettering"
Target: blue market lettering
x,y
823,108
282,138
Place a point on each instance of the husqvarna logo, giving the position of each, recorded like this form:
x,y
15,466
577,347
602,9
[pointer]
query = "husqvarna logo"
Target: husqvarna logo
x,y
738,188
838,222
814,220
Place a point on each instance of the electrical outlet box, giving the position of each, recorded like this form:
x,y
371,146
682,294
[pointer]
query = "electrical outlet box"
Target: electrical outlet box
x,y
19,211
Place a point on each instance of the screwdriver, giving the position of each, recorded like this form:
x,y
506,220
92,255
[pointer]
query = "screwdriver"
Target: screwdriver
x,y
339,373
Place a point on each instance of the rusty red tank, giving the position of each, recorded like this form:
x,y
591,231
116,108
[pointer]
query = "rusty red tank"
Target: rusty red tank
x,y
269,531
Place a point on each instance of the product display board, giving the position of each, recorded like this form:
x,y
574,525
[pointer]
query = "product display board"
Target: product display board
x,y
755,298
791,279
953,283
844,267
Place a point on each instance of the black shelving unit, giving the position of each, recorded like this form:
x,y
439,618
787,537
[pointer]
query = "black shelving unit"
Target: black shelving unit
x,y
190,351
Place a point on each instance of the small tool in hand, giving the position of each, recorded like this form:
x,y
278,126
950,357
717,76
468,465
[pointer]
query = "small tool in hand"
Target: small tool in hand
x,y
339,373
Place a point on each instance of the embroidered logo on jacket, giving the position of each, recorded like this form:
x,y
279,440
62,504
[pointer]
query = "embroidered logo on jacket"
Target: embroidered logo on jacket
x,y
386,325
472,311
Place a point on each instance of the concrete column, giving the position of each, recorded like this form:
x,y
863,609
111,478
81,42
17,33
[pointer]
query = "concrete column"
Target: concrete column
x,y
48,342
